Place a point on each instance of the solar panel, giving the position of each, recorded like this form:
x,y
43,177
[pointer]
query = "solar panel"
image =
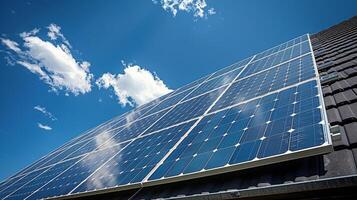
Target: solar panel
x,y
264,109
280,123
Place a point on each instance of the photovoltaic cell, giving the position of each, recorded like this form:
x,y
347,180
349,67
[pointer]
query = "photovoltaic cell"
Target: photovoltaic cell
x,y
266,106
268,126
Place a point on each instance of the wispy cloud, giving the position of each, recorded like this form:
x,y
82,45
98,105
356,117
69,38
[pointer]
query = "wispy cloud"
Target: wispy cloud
x,y
11,44
135,87
54,32
51,60
44,127
45,112
199,8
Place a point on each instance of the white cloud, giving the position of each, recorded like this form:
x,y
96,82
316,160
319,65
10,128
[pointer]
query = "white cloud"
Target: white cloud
x,y
211,11
54,64
32,32
45,112
65,72
135,87
45,127
11,44
36,69
197,7
54,32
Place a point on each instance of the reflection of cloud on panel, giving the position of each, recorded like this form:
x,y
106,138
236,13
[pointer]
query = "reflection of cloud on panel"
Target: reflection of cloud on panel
x,y
214,94
226,79
130,117
104,140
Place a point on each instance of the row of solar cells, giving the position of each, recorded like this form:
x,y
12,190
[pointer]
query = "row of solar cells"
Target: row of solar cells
x,y
281,47
290,73
280,57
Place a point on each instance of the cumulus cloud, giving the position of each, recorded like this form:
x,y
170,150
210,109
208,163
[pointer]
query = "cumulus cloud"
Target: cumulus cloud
x,y
44,111
44,127
197,7
135,87
52,62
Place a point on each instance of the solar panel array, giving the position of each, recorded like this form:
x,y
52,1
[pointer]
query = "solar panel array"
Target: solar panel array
x,y
265,109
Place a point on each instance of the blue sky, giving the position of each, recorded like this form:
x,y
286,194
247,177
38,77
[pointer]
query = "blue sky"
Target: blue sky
x,y
150,40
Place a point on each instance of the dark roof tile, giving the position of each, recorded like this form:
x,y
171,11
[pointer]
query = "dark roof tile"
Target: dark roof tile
x,y
345,166
354,151
337,87
345,97
348,112
326,90
346,65
350,71
333,116
329,102
352,81
351,132
343,84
